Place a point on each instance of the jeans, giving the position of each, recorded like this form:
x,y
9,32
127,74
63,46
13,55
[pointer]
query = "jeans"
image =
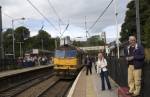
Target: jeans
x,y
88,68
104,76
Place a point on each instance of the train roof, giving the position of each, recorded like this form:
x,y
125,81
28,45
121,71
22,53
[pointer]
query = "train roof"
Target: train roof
x,y
69,47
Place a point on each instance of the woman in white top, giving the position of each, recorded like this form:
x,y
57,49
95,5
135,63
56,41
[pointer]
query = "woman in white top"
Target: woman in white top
x,y
102,70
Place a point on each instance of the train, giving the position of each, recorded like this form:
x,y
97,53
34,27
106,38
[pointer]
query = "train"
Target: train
x,y
68,60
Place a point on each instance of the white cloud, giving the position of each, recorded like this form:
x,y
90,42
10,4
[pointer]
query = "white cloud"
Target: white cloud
x,y
72,10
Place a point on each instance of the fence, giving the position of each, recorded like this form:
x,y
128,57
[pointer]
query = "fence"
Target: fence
x,y
118,72
6,64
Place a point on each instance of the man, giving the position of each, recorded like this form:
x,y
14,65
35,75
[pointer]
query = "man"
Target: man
x,y
88,63
135,57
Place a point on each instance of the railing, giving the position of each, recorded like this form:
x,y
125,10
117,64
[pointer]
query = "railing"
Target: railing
x,y
6,64
118,72
11,64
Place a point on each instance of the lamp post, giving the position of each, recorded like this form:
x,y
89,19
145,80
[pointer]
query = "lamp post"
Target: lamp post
x,y
13,34
42,44
20,48
1,37
138,22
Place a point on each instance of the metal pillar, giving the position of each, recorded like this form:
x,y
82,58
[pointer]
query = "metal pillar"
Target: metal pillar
x,y
117,39
1,36
13,36
138,22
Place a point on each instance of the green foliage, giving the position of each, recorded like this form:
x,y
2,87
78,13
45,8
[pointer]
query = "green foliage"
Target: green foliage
x,y
129,26
29,43
80,43
8,41
42,38
21,33
92,41
95,41
147,33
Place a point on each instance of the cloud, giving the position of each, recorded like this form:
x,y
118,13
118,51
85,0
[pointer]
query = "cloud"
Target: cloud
x,y
73,11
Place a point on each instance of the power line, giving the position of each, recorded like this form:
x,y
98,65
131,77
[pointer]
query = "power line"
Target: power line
x,y
59,18
8,15
42,14
64,30
101,15
11,18
54,10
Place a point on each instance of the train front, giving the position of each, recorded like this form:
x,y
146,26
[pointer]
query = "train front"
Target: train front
x,y
66,61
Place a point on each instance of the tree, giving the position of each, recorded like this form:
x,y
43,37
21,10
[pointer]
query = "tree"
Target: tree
x,y
8,41
129,26
21,33
92,41
42,39
147,33
95,41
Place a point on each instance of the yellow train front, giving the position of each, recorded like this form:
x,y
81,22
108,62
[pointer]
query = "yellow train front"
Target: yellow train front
x,y
68,60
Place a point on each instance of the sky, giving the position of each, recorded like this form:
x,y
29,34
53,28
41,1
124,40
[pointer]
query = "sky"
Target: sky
x,y
59,13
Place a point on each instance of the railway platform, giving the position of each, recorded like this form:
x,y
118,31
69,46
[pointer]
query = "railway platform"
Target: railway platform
x,y
90,86
19,71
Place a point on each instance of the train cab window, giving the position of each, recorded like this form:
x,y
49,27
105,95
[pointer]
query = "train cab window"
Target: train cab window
x,y
60,53
71,53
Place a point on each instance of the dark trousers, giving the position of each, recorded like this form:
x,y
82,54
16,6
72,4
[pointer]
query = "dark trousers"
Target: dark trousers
x,y
104,76
88,68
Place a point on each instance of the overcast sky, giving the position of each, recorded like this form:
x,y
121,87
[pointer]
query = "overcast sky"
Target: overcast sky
x,y
70,11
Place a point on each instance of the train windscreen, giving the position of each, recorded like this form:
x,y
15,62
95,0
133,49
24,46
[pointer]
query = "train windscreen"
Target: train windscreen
x,y
60,53
68,53
71,53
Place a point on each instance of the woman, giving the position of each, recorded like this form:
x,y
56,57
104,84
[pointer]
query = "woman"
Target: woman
x,y
102,70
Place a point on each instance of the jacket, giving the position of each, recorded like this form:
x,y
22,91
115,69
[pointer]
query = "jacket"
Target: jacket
x,y
101,65
138,54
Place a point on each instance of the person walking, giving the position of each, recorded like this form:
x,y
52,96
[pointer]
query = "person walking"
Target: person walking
x,y
134,54
88,64
102,70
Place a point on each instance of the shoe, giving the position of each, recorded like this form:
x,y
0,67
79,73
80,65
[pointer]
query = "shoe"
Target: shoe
x,y
103,89
133,95
128,93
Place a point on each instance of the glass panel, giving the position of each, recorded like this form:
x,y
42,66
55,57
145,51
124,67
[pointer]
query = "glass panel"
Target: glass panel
x,y
71,53
59,53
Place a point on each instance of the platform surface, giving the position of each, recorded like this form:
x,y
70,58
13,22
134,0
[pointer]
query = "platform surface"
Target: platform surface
x,y
90,86
17,71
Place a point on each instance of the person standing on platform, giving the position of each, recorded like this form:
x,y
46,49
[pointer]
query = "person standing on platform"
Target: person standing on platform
x,y
88,64
102,70
134,54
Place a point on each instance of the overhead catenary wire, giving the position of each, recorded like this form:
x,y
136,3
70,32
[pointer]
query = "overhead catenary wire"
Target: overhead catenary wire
x,y
8,15
103,12
59,19
11,17
42,15
54,10
64,30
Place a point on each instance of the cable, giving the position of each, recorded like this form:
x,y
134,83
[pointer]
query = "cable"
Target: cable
x,y
42,14
64,30
8,15
54,10
101,15
11,18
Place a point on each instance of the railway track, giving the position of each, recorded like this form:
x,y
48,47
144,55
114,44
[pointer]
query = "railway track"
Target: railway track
x,y
19,88
58,89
